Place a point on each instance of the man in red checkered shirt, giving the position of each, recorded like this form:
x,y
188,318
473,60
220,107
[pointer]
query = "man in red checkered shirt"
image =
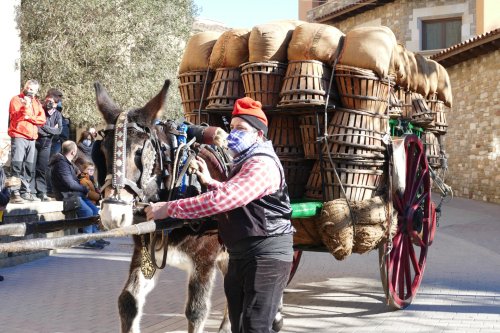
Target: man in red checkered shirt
x,y
258,234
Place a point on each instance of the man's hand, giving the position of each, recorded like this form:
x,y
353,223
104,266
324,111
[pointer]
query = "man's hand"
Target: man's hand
x,y
156,211
202,172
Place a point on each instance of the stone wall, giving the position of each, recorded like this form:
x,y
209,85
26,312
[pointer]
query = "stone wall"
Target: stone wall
x,y
473,139
403,17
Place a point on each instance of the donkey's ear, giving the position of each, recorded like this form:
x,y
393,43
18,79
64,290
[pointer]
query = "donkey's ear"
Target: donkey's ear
x,y
105,104
155,106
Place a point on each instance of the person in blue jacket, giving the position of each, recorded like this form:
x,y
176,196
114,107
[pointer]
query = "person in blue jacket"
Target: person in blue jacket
x,y
65,184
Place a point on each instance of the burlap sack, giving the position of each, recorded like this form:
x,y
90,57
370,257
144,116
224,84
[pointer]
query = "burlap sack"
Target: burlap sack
x,y
335,228
432,76
314,41
444,92
337,231
231,49
413,71
422,75
269,42
197,52
400,66
370,48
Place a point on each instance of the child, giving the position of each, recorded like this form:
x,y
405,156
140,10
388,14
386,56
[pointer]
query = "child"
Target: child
x,y
86,178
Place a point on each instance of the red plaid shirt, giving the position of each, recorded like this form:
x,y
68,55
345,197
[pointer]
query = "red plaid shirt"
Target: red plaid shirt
x,y
258,177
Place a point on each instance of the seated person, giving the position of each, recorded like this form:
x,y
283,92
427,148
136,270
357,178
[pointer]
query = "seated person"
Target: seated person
x,y
65,184
87,179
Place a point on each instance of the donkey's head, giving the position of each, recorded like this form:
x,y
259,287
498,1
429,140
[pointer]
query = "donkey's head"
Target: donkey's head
x,y
132,153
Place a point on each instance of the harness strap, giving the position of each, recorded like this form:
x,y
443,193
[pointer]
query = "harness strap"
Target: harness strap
x,y
127,182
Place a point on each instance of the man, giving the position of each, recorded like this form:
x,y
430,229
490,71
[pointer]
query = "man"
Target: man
x,y
52,127
25,115
258,234
65,185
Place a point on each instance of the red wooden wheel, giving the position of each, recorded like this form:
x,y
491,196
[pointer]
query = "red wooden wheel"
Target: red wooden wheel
x,y
297,254
402,267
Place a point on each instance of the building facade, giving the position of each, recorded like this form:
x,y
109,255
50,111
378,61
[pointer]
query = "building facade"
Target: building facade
x,y
464,36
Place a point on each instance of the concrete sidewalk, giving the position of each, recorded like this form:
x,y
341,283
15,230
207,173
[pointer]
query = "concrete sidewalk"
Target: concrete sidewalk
x,y
76,290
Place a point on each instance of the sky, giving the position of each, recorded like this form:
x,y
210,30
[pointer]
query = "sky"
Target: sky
x,y
247,13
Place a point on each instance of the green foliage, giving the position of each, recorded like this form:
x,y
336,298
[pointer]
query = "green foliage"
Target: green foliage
x,y
130,46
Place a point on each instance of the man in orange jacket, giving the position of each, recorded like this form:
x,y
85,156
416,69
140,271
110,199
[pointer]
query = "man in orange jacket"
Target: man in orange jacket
x,y
25,115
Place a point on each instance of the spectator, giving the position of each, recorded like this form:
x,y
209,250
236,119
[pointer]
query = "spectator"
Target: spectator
x,y
87,179
25,114
64,135
65,184
85,147
52,127
4,191
93,132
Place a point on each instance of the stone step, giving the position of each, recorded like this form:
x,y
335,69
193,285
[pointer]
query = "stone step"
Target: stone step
x,y
32,212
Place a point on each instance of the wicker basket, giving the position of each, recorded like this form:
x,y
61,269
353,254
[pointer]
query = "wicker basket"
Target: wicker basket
x,y
362,89
360,179
220,119
354,134
422,115
438,111
284,132
404,98
262,82
306,84
432,148
191,86
225,89
297,170
309,132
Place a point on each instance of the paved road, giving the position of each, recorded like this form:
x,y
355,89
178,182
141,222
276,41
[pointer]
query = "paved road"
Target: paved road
x,y
76,290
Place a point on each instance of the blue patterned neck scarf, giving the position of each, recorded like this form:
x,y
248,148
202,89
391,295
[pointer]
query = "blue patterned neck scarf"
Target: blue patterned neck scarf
x,y
239,141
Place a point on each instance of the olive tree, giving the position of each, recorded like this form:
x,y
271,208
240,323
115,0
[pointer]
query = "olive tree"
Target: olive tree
x,y
130,46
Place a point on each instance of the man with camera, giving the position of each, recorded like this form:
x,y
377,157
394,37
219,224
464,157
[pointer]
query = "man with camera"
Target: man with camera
x,y
25,115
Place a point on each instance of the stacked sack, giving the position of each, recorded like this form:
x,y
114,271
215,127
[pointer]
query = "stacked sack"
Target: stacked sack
x,y
422,96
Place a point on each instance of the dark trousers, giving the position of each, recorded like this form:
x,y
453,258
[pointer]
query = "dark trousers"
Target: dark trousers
x,y
43,146
254,288
23,155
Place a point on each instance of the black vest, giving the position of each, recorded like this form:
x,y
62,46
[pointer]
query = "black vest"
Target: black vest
x,y
267,216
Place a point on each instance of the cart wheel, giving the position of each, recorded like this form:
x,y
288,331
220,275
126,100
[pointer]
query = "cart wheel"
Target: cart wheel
x,y
402,268
297,254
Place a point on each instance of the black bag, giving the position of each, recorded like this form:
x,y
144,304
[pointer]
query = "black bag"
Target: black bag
x,y
71,201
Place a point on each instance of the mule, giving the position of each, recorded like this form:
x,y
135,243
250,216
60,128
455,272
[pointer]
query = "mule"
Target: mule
x,y
140,168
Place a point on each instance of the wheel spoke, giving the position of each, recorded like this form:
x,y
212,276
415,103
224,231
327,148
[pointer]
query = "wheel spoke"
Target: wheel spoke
x,y
408,269
396,258
401,270
414,261
417,184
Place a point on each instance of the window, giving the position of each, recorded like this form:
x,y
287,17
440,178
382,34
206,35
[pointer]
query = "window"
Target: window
x,y
440,34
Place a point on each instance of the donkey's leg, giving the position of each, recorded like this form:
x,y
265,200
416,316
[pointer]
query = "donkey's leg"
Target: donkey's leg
x,y
200,286
222,262
133,296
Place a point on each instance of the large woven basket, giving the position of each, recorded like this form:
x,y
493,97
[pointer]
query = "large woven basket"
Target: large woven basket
x,y
225,89
422,115
220,119
262,82
191,85
309,132
432,148
362,89
354,134
306,84
439,117
284,132
404,98
361,179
